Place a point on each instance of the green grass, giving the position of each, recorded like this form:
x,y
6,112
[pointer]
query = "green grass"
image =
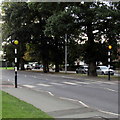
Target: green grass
x,y
15,108
9,68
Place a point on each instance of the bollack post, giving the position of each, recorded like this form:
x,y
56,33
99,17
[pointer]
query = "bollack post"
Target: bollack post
x,y
15,67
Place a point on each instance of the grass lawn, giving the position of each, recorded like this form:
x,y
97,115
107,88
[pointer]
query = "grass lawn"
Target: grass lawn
x,y
7,68
15,108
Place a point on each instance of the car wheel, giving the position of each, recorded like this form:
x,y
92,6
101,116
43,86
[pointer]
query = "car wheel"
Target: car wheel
x,y
102,73
77,72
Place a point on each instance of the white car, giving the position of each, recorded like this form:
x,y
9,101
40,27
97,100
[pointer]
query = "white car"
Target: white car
x,y
82,69
104,70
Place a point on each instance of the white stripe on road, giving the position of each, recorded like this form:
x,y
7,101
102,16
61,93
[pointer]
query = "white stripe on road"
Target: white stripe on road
x,y
68,99
69,83
45,85
29,86
50,93
82,82
75,101
110,89
83,104
111,113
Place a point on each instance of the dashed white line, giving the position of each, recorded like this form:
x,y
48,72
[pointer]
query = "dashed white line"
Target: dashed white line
x,y
45,85
83,104
50,93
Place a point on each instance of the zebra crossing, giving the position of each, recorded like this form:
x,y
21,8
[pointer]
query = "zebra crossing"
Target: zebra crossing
x,y
66,83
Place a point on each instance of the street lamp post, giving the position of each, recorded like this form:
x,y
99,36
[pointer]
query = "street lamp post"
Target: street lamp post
x,y
65,53
16,43
109,55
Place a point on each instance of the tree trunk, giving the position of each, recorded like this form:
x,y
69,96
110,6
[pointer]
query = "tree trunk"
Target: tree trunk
x,y
92,69
91,58
56,67
44,67
22,64
56,55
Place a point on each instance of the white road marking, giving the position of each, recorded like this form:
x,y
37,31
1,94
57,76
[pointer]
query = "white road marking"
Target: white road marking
x,y
68,99
83,104
111,113
97,82
56,84
82,82
69,83
109,83
45,85
50,93
110,89
29,86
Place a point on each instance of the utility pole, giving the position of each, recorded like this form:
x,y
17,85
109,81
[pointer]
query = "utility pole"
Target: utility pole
x,y
65,53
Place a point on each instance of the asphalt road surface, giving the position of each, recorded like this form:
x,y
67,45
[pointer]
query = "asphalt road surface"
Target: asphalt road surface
x,y
101,95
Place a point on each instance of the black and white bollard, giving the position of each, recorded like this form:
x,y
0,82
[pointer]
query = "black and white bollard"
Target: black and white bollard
x,y
16,43
15,67
109,55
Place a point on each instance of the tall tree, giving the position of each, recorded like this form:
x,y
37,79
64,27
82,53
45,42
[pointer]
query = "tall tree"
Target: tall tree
x,y
91,20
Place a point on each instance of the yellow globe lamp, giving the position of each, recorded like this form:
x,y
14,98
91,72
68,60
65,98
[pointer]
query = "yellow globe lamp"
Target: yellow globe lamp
x,y
110,47
16,42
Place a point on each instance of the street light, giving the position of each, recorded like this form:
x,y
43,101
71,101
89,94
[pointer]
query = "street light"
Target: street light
x,y
16,42
65,53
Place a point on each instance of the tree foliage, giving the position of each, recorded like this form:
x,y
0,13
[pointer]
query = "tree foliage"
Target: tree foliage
x,y
42,26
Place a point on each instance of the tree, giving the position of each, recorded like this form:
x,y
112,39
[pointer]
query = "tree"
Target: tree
x,y
15,26
90,20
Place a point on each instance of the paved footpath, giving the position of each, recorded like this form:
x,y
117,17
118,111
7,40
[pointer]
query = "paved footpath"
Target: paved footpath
x,y
56,107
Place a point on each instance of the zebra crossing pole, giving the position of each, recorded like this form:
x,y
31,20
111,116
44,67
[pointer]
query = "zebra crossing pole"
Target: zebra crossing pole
x,y
109,54
16,43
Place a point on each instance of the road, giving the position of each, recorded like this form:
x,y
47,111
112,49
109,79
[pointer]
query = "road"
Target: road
x,y
101,95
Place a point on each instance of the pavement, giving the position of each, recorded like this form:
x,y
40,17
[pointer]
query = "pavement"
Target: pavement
x,y
56,107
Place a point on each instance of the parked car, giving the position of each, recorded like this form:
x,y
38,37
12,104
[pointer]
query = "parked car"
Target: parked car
x,y
28,67
103,70
82,69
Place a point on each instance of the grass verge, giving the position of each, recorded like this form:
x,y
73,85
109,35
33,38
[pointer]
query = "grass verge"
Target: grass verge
x,y
15,108
9,68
